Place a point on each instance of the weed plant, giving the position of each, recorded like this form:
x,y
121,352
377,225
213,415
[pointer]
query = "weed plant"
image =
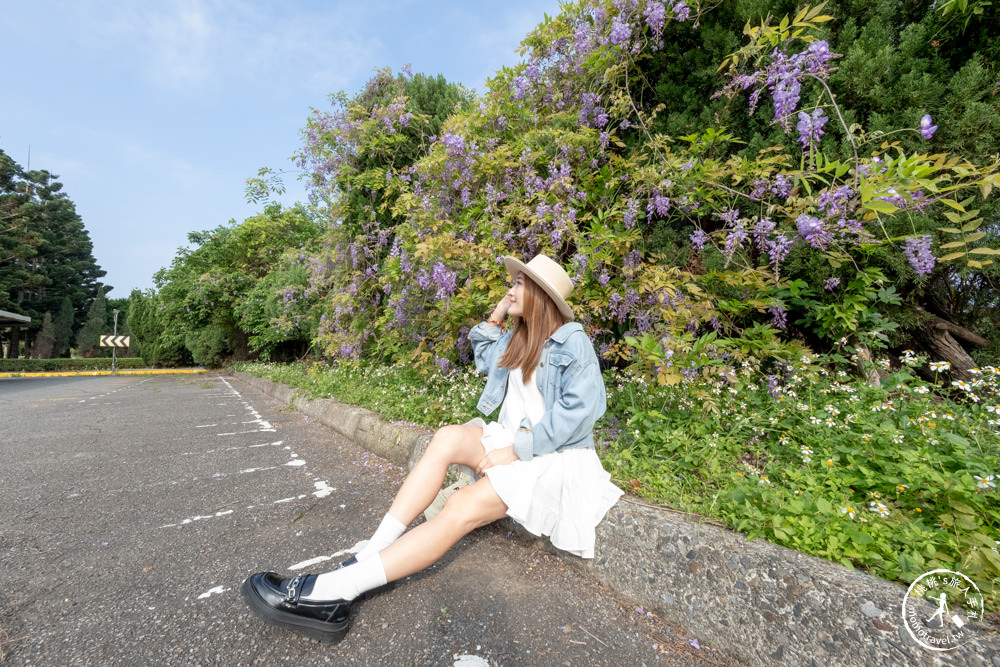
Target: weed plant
x,y
896,479
400,393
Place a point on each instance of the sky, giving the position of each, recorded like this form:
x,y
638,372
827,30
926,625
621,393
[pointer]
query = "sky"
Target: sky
x,y
153,113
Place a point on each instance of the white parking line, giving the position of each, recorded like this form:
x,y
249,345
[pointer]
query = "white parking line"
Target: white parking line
x,y
322,559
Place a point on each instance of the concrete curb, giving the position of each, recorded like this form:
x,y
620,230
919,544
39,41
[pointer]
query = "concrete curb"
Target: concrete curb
x,y
759,602
135,371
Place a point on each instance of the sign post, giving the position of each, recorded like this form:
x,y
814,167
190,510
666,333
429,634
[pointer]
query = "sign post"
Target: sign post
x,y
114,350
114,342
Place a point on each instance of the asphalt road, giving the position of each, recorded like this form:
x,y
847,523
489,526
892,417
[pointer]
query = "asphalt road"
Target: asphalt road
x,y
132,508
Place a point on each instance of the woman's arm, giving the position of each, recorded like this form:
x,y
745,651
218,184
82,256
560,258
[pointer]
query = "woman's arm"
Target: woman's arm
x,y
484,336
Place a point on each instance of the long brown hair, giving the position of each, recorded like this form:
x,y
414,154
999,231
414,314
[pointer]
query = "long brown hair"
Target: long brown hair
x,y
540,319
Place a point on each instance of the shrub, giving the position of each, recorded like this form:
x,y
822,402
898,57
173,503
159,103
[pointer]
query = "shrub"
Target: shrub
x,y
67,365
208,346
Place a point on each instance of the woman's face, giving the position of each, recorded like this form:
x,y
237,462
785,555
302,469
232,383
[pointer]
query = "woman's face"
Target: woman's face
x,y
516,294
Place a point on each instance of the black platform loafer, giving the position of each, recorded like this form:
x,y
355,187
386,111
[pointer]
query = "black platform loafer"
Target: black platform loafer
x,y
278,601
368,595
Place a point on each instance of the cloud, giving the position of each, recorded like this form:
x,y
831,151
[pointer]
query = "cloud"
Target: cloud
x,y
198,46
180,42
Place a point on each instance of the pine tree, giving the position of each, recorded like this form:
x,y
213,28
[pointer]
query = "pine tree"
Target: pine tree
x,y
63,328
46,339
88,339
45,252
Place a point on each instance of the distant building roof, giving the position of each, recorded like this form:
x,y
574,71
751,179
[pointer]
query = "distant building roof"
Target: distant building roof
x,y
13,318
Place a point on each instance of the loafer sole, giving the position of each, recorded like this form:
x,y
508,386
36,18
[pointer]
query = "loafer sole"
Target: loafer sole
x,y
322,631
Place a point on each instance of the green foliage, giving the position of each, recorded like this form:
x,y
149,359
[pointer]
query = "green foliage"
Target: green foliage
x,y
888,478
901,61
68,365
361,157
45,251
63,328
711,249
399,393
152,337
857,308
220,290
891,479
209,346
89,337
46,340
281,311
608,156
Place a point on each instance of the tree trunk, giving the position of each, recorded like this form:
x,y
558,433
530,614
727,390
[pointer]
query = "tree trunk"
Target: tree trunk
x,y
15,342
958,332
942,346
867,368
241,345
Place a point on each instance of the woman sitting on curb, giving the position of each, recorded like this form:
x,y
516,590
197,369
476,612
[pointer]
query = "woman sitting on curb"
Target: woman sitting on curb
x,y
535,464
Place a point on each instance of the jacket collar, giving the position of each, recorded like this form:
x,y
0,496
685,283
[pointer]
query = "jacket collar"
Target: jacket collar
x,y
563,332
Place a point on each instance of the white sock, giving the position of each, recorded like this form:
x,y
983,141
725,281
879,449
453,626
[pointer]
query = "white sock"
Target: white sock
x,y
348,582
387,532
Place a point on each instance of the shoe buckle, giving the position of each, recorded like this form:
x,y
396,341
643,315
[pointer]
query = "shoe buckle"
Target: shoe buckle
x,y
292,593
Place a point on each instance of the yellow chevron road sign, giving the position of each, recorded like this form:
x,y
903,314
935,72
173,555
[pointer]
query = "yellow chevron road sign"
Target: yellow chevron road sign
x,y
114,341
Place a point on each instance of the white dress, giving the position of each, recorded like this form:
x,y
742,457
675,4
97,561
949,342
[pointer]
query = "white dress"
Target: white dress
x,y
562,495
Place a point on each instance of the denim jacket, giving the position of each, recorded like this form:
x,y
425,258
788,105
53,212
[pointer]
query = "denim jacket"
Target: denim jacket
x,y
569,378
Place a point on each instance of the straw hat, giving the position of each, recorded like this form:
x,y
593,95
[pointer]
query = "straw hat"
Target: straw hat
x,y
548,275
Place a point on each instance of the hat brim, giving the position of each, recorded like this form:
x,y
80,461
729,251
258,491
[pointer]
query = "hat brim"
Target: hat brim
x,y
516,266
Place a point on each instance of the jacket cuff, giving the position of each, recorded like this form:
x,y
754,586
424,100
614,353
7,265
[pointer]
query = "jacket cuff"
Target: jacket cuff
x,y
524,443
485,331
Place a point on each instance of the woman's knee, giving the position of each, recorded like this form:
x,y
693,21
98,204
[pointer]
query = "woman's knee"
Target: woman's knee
x,y
474,505
454,444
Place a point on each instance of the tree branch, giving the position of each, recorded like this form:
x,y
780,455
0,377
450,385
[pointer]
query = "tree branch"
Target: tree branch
x,y
957,331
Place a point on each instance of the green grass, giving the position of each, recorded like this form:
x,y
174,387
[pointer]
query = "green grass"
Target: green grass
x,y
896,480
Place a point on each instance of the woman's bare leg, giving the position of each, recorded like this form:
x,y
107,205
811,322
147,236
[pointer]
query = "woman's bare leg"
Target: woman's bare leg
x,y
452,444
470,507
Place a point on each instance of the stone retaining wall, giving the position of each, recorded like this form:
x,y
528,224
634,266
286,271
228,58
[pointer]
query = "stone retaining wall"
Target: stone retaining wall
x,y
761,603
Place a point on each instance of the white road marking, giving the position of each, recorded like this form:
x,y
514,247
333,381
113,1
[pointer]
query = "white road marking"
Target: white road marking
x,y
322,559
212,591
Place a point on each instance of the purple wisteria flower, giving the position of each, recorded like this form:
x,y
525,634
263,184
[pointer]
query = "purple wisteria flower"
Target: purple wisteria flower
x,y
655,14
810,127
831,284
918,254
729,216
778,249
808,226
773,386
761,229
454,143
835,202
698,239
782,77
734,240
779,318
782,186
926,129
631,211
443,364
616,304
520,87
620,33
658,204
785,93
